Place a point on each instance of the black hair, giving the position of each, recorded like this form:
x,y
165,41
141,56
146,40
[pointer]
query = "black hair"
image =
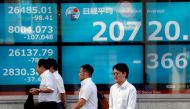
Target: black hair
x,y
88,68
122,67
52,63
43,62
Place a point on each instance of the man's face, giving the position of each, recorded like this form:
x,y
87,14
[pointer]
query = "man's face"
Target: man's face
x,y
38,69
81,74
118,76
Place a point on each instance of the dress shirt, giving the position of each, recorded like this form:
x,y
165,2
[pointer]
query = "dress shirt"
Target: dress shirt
x,y
88,92
48,81
122,97
60,85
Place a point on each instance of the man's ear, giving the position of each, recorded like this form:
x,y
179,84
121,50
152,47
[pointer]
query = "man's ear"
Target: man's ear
x,y
86,74
125,74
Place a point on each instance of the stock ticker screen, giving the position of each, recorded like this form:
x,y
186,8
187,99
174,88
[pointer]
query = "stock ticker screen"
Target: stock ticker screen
x,y
101,34
28,22
104,22
19,65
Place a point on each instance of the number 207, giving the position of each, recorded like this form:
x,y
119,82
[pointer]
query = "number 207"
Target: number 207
x,y
98,37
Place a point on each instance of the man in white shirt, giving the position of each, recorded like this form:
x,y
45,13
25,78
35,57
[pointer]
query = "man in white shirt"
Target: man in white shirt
x,y
47,90
88,91
61,98
122,94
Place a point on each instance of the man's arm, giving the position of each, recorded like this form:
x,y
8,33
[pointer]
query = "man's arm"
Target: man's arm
x,y
45,90
110,101
63,99
36,91
132,99
79,104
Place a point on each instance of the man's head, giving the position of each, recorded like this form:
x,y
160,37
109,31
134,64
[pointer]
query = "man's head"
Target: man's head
x,y
120,72
52,64
41,66
86,71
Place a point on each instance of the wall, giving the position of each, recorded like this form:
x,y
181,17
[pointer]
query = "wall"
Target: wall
x,y
146,101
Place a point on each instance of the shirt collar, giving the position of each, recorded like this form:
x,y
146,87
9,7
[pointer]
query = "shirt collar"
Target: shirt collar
x,y
85,81
44,73
124,85
56,72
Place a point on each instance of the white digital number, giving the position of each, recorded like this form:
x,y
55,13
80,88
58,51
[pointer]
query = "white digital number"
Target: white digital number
x,y
121,30
181,58
44,29
154,59
19,29
33,72
14,72
29,10
23,52
98,37
154,36
135,30
30,79
30,52
167,30
19,72
135,26
34,59
48,52
167,62
28,30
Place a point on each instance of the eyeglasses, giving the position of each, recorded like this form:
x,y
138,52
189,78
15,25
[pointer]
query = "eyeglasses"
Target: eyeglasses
x,y
116,73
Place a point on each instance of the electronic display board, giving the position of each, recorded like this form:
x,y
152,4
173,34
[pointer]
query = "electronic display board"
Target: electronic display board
x,y
167,69
168,65
18,63
28,22
102,58
158,61
165,24
101,22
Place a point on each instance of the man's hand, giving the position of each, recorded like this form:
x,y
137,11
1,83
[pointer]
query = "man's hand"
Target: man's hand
x,y
34,91
79,104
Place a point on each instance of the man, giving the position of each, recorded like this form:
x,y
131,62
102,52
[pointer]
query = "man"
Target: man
x,y
47,90
88,91
61,98
122,94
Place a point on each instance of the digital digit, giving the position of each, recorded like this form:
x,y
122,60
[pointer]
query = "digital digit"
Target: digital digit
x,y
121,31
154,60
98,36
181,58
154,36
167,30
135,30
166,60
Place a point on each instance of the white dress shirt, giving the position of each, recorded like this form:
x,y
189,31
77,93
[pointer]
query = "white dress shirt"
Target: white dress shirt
x,y
48,81
88,92
60,85
122,97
